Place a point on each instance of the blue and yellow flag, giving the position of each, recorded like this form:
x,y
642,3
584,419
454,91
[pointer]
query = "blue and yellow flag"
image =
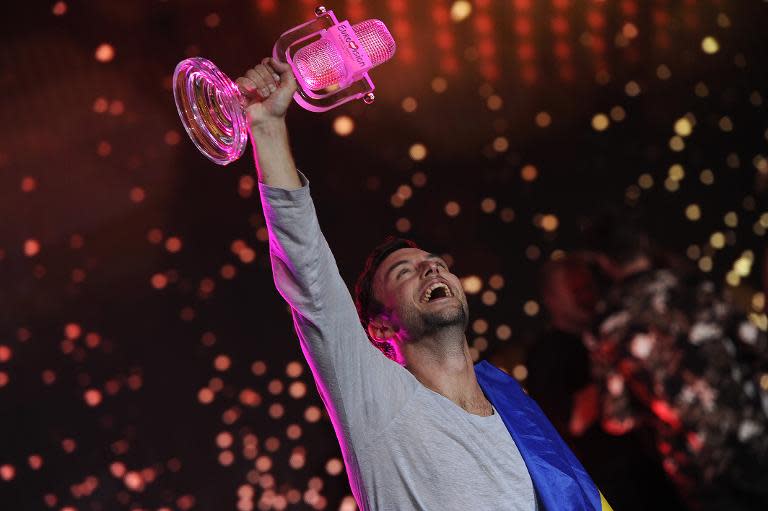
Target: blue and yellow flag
x,y
561,483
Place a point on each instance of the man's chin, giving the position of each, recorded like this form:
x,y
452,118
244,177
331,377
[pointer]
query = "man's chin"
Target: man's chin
x,y
446,317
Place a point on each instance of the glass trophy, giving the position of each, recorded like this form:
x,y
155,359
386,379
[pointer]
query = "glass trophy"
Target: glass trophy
x,y
212,109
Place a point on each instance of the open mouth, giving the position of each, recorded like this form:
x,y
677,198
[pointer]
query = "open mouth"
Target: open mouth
x,y
436,291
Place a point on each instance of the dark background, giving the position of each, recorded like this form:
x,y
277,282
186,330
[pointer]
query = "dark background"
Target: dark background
x,y
97,174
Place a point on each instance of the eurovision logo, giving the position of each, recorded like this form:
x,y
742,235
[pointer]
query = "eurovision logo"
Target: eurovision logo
x,y
353,46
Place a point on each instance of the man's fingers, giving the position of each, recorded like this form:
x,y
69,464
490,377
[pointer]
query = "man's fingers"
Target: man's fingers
x,y
245,85
266,77
283,70
279,67
257,78
266,62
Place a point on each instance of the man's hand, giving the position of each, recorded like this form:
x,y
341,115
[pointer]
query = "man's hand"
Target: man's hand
x,y
269,89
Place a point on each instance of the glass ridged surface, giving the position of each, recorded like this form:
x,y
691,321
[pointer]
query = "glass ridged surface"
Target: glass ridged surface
x,y
320,64
210,107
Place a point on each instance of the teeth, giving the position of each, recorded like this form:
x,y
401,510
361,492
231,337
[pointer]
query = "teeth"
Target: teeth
x,y
428,292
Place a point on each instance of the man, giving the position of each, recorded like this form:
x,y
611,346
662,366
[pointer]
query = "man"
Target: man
x,y
424,434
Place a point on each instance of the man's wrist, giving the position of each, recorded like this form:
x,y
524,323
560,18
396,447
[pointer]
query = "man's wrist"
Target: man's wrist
x,y
268,127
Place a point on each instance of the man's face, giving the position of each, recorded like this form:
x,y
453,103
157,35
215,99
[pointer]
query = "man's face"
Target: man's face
x,y
419,294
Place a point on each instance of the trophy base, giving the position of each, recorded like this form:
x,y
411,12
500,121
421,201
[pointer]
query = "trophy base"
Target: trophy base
x,y
211,108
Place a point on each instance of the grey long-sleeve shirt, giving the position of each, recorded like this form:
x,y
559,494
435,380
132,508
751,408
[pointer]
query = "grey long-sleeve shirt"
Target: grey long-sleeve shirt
x,y
404,445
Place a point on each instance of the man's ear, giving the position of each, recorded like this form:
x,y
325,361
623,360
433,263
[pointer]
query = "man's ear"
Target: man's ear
x,y
380,329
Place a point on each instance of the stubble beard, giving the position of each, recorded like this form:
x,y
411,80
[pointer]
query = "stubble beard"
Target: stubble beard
x,y
430,323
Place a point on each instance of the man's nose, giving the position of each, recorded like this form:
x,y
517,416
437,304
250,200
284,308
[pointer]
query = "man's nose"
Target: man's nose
x,y
431,268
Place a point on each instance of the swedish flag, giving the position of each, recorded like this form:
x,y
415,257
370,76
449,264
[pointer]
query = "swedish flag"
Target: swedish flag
x,y
560,481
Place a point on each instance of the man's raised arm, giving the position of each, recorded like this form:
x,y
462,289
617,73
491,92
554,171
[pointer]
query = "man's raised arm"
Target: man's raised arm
x,y
362,389
270,87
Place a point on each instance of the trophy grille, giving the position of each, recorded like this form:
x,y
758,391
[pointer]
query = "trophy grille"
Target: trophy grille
x,y
321,65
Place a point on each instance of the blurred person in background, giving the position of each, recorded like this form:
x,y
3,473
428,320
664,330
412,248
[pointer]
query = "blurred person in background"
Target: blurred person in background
x,y
625,467
673,353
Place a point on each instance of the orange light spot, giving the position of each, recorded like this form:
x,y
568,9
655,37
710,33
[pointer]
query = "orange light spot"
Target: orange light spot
x,y
92,339
247,255
297,389
72,331
334,466
172,137
216,384
212,20
529,173
293,432
117,107
112,387
78,275
100,105
135,381
149,474
92,397
222,363
35,461
59,8
272,444
205,396
230,416
5,353
7,472
105,52
246,186
104,149
68,445
173,244
28,184
452,209
312,414
49,377
294,369
155,236
208,339
228,272
249,397
159,281
133,481
185,502
258,368
137,194
275,387
31,247
263,463
224,440
226,458
276,410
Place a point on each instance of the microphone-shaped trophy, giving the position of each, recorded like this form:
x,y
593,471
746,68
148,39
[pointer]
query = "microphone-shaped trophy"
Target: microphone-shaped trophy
x,y
330,60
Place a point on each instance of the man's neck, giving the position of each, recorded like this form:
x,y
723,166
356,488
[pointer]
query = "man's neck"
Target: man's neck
x,y
447,369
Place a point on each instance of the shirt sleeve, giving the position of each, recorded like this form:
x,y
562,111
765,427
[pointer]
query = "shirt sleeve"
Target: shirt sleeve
x,y
362,389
